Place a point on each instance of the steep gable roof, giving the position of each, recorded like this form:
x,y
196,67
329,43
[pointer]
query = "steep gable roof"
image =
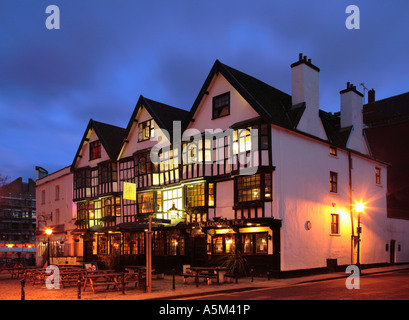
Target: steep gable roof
x,y
163,114
111,137
269,102
273,105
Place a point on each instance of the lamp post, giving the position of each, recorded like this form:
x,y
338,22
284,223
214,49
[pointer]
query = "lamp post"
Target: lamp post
x,y
149,256
48,232
359,208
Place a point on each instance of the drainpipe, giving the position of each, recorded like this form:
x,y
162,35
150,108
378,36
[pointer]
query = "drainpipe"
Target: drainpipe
x,y
351,206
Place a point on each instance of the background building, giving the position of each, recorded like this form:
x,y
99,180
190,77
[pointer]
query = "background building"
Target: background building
x,y
56,210
17,221
387,122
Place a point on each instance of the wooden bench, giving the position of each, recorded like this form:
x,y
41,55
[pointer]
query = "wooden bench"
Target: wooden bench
x,y
231,276
103,279
129,278
204,275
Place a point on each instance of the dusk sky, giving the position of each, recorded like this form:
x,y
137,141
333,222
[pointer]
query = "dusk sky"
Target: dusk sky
x,y
108,53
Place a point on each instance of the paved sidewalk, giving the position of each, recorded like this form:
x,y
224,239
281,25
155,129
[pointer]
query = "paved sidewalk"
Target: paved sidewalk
x,y
257,283
10,289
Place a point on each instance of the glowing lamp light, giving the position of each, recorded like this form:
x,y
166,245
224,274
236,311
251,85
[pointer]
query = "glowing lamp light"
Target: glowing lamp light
x,y
48,231
9,245
359,207
173,211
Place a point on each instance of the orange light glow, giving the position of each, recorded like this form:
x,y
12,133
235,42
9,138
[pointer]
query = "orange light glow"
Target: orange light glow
x,y
48,231
359,207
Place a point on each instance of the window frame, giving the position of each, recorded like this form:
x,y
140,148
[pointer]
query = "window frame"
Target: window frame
x,y
333,183
378,176
94,150
333,151
142,127
335,224
262,185
217,110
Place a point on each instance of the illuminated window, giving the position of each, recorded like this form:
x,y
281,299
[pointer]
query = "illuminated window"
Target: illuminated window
x,y
254,243
170,198
241,140
146,202
133,243
95,150
334,223
332,151
333,182
261,242
211,195
221,105
102,244
378,175
223,243
146,130
267,186
254,188
248,188
195,195
247,243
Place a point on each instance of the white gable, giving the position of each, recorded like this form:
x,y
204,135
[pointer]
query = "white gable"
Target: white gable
x,y
240,110
132,145
83,160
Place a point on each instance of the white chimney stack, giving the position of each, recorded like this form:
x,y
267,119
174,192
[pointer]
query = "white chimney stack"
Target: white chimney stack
x,y
351,107
351,115
305,88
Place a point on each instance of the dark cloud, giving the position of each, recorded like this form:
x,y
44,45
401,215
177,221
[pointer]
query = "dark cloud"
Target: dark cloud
x,y
108,53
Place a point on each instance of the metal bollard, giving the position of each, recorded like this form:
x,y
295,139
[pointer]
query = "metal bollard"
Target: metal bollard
x,y
123,283
268,275
173,279
23,295
252,274
79,287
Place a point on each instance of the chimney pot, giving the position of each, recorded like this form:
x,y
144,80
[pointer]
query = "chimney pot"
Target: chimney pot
x,y
348,85
309,60
371,95
305,58
300,57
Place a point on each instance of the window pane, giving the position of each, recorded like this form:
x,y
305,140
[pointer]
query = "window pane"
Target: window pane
x,y
261,243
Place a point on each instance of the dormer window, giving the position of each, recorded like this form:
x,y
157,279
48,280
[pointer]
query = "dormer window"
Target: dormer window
x,y
221,105
95,150
146,130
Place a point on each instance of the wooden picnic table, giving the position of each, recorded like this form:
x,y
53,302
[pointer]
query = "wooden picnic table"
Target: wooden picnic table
x,y
138,269
207,273
102,279
66,277
16,272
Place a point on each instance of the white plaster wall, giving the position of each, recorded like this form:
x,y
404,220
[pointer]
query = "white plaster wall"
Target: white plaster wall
x,y
64,179
84,160
133,145
374,218
398,230
301,194
225,199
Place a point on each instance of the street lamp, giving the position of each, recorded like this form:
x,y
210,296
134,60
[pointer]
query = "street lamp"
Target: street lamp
x,y
48,232
149,256
359,208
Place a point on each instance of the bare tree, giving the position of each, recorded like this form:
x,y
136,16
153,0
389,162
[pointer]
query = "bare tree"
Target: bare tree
x,y
3,180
